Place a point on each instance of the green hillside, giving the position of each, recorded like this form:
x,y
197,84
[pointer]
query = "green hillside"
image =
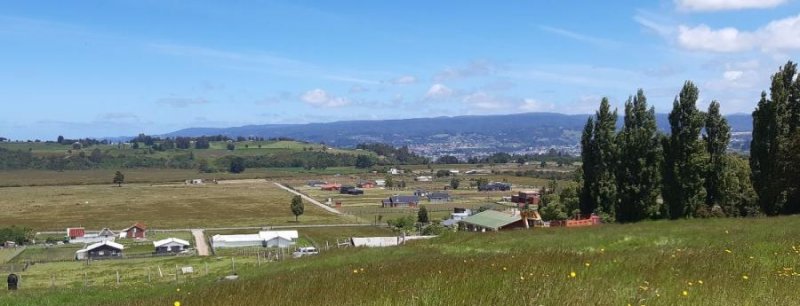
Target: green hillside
x,y
689,262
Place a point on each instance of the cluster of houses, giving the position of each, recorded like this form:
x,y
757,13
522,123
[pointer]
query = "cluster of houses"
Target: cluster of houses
x,y
102,245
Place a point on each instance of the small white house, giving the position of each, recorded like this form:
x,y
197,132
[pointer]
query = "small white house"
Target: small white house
x,y
380,183
394,171
171,245
424,178
280,239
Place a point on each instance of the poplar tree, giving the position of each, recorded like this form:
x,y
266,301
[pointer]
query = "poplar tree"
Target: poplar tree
x,y
600,161
684,156
772,150
717,137
640,158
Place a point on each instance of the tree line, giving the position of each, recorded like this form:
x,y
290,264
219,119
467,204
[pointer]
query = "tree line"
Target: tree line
x,y
637,173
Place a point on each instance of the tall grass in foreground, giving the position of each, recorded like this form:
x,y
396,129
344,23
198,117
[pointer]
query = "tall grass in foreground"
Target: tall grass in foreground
x,y
695,262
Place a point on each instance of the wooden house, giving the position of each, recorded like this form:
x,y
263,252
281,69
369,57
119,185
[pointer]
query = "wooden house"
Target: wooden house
x,y
100,250
171,245
136,231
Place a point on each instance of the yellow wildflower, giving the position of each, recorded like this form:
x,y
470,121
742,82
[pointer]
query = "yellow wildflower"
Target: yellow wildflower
x,y
572,274
700,282
744,277
587,264
177,303
355,271
685,293
728,251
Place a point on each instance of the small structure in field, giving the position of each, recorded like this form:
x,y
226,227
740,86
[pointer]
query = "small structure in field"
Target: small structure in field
x,y
495,186
423,178
100,250
528,197
281,239
438,197
366,184
372,242
9,244
316,183
330,187
171,245
401,201
491,220
456,216
351,190
75,232
380,183
136,231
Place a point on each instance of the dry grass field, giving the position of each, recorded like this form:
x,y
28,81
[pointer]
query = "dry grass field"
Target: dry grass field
x,y
169,205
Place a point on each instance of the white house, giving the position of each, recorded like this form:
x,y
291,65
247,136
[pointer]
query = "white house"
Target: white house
x,y
394,171
424,178
171,245
380,183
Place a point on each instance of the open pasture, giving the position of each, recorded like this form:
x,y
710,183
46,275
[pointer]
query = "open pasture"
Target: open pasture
x,y
165,206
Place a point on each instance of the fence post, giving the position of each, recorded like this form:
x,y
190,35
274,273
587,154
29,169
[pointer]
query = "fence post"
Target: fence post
x,y
206,268
233,264
176,273
52,281
117,277
85,279
148,275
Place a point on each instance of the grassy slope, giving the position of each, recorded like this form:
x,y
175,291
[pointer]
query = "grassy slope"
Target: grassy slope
x,y
648,263
235,203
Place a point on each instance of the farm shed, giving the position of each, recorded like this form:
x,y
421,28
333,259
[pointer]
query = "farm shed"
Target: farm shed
x,y
371,242
281,239
438,197
236,241
100,250
170,245
75,232
136,231
491,220
401,201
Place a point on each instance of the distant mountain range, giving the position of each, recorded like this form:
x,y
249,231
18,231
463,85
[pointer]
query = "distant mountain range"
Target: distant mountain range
x,y
461,136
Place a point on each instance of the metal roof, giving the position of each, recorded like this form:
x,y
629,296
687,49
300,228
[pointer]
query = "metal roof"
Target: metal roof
x,y
170,240
491,219
99,244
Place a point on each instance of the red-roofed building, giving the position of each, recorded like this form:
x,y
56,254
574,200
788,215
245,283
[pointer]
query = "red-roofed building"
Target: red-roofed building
x,y
75,232
136,231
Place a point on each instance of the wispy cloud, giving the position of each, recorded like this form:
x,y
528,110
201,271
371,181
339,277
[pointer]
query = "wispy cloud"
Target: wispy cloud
x,y
597,41
182,102
722,5
319,97
473,69
778,35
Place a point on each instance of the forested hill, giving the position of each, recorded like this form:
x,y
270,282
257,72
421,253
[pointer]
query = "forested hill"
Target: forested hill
x,y
497,132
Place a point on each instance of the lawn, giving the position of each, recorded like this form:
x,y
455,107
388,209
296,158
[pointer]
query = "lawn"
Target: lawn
x,y
689,262
230,203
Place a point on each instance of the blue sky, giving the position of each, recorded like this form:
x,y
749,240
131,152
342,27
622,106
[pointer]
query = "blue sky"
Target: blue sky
x,y
109,68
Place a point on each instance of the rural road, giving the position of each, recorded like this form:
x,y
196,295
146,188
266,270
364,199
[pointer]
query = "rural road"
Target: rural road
x,y
200,242
315,202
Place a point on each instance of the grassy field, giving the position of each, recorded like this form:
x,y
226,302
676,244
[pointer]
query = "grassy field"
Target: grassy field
x,y
230,203
690,262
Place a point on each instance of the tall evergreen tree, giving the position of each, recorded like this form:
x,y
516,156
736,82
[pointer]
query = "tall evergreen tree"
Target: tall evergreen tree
x,y
587,203
684,156
600,160
717,137
775,124
640,158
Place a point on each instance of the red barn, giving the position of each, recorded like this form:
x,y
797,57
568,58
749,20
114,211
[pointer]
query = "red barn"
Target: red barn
x,y
75,232
136,231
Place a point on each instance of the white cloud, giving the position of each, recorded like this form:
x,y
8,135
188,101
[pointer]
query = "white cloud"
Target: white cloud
x,y
483,100
182,102
580,37
404,80
439,91
532,105
474,69
732,75
319,97
778,35
720,5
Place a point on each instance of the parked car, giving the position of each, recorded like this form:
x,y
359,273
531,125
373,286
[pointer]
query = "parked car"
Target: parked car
x,y
305,251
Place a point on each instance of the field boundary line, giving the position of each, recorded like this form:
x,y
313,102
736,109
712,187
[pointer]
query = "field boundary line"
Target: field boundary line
x,y
315,202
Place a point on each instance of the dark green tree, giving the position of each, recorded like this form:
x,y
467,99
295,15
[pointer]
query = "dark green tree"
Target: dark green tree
x,y
685,157
638,175
599,156
454,183
717,136
119,178
237,165
422,215
297,207
364,161
230,146
775,123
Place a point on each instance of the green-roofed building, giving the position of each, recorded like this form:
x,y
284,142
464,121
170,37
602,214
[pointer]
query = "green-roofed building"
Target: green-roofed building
x,y
491,220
